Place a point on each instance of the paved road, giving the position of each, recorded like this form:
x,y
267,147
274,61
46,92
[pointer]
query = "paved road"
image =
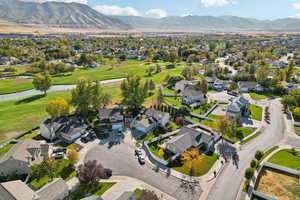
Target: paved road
x,y
229,181
121,160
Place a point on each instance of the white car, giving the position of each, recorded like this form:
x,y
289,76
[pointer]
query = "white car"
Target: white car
x,y
138,151
58,155
141,159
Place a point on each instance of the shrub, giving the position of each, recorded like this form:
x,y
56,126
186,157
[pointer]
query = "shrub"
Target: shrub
x,y
249,173
253,163
259,155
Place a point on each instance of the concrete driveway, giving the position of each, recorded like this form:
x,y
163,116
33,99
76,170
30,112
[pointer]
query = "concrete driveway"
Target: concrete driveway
x,y
121,159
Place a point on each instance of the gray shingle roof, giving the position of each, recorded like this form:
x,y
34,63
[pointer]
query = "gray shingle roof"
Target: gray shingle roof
x,y
187,138
52,189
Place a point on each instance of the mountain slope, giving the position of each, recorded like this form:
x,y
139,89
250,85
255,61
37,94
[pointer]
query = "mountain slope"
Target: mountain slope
x,y
210,22
57,14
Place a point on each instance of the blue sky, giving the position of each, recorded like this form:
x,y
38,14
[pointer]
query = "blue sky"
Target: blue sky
x,y
260,9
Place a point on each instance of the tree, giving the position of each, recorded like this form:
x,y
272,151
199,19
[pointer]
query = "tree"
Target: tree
x,y
223,125
58,107
191,156
73,156
259,155
187,73
151,85
296,113
90,172
107,99
87,96
148,195
249,173
45,168
184,111
42,82
253,163
96,96
202,85
134,93
289,71
160,97
262,75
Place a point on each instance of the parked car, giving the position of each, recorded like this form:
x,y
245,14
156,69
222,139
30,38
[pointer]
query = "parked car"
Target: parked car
x,y
14,141
57,150
141,160
107,172
138,152
58,155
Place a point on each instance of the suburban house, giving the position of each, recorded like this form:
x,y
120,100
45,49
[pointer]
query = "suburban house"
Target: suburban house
x,y
188,138
249,86
210,82
20,157
160,118
219,85
152,119
112,117
181,85
18,190
238,108
68,129
192,97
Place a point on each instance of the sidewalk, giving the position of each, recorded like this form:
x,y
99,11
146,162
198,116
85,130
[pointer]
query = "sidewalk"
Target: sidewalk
x,y
125,184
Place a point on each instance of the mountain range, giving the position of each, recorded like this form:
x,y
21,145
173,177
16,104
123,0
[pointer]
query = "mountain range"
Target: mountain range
x,y
75,15
57,14
194,22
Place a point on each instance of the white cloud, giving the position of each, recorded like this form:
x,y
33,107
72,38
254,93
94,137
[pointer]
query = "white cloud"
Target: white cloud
x,y
296,6
156,13
116,10
66,1
208,3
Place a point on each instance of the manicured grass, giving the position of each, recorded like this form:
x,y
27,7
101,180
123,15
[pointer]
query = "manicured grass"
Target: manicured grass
x,y
245,131
286,158
175,101
168,91
256,96
297,130
104,72
83,190
215,117
201,166
25,114
256,112
63,170
5,149
250,138
268,152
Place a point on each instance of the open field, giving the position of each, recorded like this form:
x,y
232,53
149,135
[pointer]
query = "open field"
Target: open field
x,y
278,185
104,72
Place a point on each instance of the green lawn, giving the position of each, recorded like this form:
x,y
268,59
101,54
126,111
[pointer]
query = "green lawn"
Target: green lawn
x,y
174,101
268,152
256,96
201,166
215,117
286,159
22,115
297,130
250,138
104,72
83,190
245,131
256,112
63,170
